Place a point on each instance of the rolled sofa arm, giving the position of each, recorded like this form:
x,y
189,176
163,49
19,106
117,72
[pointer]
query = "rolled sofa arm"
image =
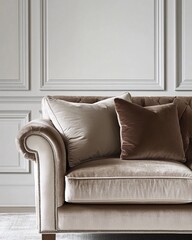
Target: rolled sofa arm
x,y
41,142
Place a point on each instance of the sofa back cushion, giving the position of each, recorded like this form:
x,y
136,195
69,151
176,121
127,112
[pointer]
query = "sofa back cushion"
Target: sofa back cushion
x,y
184,106
151,132
89,130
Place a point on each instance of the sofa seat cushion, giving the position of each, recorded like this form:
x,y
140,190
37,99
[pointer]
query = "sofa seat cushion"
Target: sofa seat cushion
x,y
112,180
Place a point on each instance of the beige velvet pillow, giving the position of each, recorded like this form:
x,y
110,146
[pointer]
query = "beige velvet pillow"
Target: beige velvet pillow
x,y
89,130
149,133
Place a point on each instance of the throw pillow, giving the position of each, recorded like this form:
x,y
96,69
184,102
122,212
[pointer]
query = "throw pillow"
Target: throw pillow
x,y
89,130
149,133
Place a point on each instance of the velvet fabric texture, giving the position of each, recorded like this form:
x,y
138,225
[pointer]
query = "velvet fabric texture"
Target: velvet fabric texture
x,y
111,180
149,133
89,130
127,218
184,107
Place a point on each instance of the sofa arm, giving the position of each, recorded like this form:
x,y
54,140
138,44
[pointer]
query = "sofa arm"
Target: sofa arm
x,y
40,141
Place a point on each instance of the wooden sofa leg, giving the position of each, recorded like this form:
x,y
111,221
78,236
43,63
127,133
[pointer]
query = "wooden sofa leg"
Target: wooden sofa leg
x,y
48,236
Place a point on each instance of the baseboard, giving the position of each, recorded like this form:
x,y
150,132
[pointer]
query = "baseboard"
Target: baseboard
x,y
16,209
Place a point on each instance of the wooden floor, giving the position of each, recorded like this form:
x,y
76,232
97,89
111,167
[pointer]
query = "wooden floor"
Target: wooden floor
x,y
23,227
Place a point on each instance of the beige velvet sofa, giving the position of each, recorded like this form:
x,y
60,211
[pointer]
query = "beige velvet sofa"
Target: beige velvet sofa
x,y
59,192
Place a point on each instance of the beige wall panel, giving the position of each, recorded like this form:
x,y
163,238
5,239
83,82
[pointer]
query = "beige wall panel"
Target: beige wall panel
x,y
14,45
184,45
103,45
10,123
16,173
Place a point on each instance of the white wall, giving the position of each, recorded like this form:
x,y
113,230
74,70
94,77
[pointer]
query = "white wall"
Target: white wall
x,y
83,47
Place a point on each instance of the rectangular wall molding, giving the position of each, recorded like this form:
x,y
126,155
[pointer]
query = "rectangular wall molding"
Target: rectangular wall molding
x,y
21,99
20,82
128,83
10,123
183,82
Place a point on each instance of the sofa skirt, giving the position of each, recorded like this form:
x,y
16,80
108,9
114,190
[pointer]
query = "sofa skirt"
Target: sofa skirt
x,y
176,218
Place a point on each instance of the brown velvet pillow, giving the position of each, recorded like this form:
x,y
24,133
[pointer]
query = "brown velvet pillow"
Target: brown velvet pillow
x,y
149,133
